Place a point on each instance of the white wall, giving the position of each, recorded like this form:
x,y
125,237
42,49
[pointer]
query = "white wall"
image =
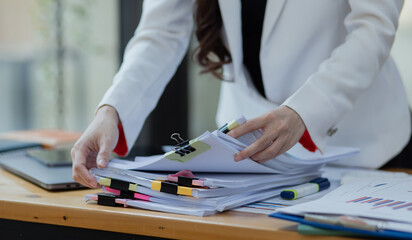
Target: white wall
x,y
27,34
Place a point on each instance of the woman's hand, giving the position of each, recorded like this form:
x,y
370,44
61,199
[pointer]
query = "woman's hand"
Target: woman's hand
x,y
282,128
95,145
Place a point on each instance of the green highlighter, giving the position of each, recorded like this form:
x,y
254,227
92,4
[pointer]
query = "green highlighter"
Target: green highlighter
x,y
313,186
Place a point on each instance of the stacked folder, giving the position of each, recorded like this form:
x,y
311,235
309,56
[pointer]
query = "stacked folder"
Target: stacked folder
x,y
218,192
218,184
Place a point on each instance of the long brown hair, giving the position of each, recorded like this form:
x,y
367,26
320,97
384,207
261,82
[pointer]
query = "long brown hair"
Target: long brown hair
x,y
211,53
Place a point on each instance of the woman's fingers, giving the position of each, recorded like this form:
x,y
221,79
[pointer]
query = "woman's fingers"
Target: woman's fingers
x,y
259,145
104,154
282,128
248,126
91,160
80,172
275,149
95,145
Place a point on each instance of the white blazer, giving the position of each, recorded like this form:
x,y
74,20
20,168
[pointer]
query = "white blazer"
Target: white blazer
x,y
327,60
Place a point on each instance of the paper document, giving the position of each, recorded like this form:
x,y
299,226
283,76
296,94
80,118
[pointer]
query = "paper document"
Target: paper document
x,y
214,152
200,177
213,180
234,187
385,199
336,176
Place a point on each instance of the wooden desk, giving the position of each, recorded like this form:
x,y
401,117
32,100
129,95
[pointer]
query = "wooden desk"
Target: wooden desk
x,y
23,201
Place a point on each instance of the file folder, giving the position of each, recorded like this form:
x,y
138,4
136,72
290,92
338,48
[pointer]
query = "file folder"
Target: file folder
x,y
218,183
113,201
126,182
381,233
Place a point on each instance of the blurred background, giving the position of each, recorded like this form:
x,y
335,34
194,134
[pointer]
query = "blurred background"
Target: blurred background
x,y
58,57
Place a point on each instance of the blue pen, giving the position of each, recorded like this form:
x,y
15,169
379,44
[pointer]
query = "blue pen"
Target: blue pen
x,y
313,186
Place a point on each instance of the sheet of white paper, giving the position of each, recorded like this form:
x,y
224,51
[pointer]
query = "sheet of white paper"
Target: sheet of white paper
x,y
219,159
334,174
381,199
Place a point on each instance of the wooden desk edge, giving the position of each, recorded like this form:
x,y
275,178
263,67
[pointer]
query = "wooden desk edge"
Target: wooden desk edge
x,y
75,213
141,224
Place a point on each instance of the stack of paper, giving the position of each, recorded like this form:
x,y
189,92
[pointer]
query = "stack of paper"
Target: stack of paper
x,y
219,182
218,192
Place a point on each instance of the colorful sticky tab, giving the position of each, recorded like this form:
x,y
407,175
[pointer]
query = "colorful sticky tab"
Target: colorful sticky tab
x,y
172,188
105,181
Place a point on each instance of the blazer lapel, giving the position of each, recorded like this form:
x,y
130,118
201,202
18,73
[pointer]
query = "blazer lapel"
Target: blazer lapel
x,y
272,13
231,17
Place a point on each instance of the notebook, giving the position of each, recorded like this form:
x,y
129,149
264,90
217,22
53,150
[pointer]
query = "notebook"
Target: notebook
x,y
48,138
39,173
11,146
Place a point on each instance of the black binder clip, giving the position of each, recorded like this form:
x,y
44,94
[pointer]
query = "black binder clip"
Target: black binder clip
x,y
186,181
119,185
182,147
107,200
127,194
169,187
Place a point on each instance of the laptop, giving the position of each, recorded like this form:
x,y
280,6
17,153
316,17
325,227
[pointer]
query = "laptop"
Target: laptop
x,y
49,169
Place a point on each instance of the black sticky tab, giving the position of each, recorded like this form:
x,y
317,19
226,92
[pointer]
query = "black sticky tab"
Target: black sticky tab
x,y
168,187
185,181
119,185
106,200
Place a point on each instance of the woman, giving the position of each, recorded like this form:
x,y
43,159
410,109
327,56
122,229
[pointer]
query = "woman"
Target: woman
x,y
311,71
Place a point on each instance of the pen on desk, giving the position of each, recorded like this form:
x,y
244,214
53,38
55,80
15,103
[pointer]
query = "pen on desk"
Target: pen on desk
x,y
346,221
313,186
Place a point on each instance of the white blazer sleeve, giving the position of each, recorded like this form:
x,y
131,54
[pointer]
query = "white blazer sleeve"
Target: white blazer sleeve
x,y
151,58
352,67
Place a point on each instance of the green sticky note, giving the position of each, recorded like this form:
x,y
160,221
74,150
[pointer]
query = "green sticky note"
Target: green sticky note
x,y
200,147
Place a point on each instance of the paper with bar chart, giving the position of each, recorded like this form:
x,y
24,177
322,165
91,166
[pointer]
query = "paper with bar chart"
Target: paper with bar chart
x,y
380,199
